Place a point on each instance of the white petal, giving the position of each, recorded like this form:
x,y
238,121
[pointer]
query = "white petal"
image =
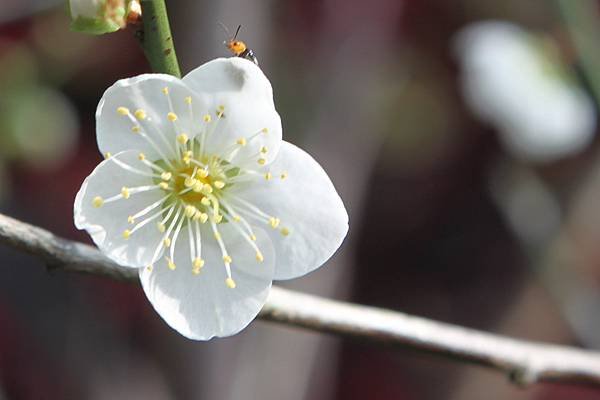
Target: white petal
x,y
307,204
85,8
107,223
146,92
202,306
246,93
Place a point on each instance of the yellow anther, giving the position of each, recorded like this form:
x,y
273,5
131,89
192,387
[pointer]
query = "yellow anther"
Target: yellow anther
x,y
125,192
227,259
253,237
187,160
230,283
198,187
140,114
284,231
98,202
202,173
221,107
219,184
167,242
200,216
207,189
264,130
161,227
172,117
149,268
218,218
165,90
207,118
264,149
205,201
126,234
171,264
284,175
123,110
198,262
217,236
107,155
261,161
241,141
130,220
259,257
136,129
189,182
220,114
141,156
274,222
165,176
236,218
163,185
268,176
188,153
190,211
182,138
188,100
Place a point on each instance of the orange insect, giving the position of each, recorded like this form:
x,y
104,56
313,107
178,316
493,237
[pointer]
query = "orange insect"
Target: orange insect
x,y
239,48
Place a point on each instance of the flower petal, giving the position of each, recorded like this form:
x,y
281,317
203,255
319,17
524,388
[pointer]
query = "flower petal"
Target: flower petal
x,y
245,92
308,206
202,306
107,224
151,131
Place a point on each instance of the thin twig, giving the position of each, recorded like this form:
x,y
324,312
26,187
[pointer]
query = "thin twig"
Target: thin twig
x,y
524,362
156,38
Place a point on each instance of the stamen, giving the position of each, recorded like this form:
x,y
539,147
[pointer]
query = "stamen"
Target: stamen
x,y
136,129
268,176
274,222
175,236
182,138
131,169
126,234
145,211
226,258
107,155
172,117
123,110
98,202
140,114
125,192
170,264
166,176
284,231
219,184
230,283
284,175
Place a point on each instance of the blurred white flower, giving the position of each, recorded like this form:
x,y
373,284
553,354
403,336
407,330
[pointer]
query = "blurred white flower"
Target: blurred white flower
x,y
512,80
102,16
200,192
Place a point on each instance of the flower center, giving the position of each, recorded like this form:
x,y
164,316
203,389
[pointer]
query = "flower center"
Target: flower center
x,y
195,187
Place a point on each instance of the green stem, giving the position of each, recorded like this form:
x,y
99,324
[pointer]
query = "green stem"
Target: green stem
x,y
156,38
583,25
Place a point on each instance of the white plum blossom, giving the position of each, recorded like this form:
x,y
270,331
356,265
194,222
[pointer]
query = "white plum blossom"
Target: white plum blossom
x,y
514,80
199,191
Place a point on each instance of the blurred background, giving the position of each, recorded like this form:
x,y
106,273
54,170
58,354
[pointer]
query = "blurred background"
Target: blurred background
x,y
462,136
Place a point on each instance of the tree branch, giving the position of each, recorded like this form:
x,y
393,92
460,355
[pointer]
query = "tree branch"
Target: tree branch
x,y
524,362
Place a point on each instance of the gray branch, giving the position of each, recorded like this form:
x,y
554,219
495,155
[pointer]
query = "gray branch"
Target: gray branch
x,y
524,362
